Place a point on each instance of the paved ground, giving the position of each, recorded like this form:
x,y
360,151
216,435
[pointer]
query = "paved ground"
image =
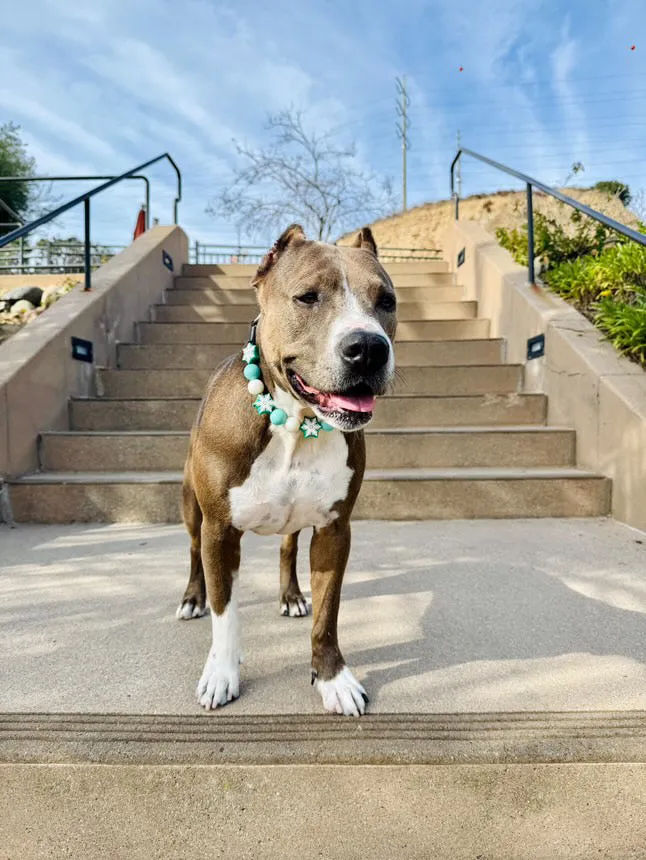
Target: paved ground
x,y
436,617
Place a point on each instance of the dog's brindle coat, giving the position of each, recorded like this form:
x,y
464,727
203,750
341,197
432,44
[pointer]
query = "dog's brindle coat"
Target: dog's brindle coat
x,y
243,474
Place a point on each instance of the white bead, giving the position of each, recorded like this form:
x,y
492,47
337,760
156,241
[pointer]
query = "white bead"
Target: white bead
x,y
255,386
292,425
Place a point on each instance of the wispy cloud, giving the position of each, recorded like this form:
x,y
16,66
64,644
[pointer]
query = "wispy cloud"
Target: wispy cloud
x,y
564,60
102,86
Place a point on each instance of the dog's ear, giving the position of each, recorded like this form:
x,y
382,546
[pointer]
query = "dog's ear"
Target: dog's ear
x,y
294,233
366,240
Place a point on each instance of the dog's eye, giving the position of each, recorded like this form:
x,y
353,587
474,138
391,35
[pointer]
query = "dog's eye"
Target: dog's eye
x,y
387,302
309,298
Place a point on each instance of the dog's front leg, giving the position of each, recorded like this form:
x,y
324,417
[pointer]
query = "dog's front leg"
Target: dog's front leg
x,y
339,689
220,681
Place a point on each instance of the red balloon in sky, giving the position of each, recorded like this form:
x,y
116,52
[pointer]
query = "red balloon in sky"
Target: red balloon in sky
x,y
632,47
461,68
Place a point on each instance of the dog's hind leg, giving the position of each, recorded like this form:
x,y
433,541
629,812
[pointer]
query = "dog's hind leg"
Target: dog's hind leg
x,y
193,604
292,602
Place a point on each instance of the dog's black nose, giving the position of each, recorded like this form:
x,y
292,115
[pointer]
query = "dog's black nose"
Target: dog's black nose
x,y
364,352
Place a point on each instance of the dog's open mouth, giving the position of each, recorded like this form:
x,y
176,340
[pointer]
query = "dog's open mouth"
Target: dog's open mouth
x,y
358,399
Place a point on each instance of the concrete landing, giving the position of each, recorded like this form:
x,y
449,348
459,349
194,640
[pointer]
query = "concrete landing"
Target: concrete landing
x,y
441,617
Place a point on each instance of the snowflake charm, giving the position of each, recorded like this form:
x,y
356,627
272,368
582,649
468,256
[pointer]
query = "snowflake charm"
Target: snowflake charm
x,y
310,428
250,353
264,404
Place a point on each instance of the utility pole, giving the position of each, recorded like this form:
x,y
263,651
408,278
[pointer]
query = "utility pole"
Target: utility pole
x,y
402,126
459,166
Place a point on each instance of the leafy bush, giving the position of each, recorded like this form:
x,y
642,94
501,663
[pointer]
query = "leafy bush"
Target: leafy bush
x,y
553,242
625,326
616,189
602,274
575,282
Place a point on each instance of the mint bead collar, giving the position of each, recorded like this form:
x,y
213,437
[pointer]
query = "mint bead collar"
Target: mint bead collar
x,y
264,402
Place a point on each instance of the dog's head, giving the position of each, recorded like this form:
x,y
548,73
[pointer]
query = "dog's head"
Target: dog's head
x,y
328,320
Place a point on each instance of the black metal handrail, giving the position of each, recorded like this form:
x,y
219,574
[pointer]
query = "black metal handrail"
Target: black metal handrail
x,y
217,254
85,199
531,183
81,179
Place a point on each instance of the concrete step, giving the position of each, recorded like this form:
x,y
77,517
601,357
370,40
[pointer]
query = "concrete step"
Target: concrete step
x,y
504,663
409,267
144,805
193,356
383,738
455,381
177,413
237,333
406,448
406,312
393,494
210,296
242,282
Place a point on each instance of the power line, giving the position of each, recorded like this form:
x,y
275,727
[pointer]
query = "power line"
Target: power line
x,y
458,87
504,105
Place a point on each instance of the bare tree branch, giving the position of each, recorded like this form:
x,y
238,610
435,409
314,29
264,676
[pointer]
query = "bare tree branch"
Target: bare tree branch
x,y
301,176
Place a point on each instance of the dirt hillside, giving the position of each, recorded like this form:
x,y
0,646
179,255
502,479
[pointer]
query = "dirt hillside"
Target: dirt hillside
x,y
422,226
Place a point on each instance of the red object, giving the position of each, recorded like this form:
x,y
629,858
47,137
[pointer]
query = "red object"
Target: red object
x,y
140,226
632,47
461,68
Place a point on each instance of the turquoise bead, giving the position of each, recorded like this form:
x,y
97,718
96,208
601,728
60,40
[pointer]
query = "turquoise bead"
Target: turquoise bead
x,y
251,371
278,416
325,426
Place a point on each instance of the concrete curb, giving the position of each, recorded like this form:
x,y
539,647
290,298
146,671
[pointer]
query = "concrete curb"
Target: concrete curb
x,y
476,738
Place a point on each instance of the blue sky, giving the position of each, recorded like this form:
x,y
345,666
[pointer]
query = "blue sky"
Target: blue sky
x,y
98,87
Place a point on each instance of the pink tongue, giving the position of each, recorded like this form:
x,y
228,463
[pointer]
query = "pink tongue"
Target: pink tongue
x,y
351,404
337,401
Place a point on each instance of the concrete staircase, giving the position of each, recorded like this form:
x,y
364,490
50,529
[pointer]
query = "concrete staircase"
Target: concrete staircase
x,y
457,439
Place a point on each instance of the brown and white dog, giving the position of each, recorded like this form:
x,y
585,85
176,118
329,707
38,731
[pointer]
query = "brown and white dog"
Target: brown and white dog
x,y
325,334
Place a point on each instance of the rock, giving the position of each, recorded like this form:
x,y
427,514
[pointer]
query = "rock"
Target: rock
x,y
28,294
50,295
21,307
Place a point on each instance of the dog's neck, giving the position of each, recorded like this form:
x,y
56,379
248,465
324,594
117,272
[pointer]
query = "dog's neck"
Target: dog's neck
x,y
282,398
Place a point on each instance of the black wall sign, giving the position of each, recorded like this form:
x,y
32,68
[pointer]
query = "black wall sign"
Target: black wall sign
x,y
82,350
168,261
461,257
536,347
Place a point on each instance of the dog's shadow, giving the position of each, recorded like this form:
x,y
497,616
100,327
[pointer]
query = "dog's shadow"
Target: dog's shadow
x,y
519,612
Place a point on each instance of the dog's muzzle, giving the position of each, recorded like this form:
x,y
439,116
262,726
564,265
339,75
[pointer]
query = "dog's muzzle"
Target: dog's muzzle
x,y
364,353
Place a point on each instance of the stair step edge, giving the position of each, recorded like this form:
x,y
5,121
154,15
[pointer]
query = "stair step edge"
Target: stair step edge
x,y
455,474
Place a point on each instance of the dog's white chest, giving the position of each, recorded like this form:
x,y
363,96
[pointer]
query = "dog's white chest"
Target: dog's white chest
x,y
293,484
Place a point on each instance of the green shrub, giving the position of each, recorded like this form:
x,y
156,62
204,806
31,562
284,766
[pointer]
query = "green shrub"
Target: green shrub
x,y
575,281
553,243
515,241
622,268
616,189
624,325
601,273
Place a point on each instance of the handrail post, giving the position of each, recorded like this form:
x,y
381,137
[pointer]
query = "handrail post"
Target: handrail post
x,y
145,178
88,262
530,234
454,194
197,252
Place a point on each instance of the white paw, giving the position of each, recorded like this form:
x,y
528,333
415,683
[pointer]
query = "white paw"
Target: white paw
x,y
294,608
220,681
189,609
343,694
